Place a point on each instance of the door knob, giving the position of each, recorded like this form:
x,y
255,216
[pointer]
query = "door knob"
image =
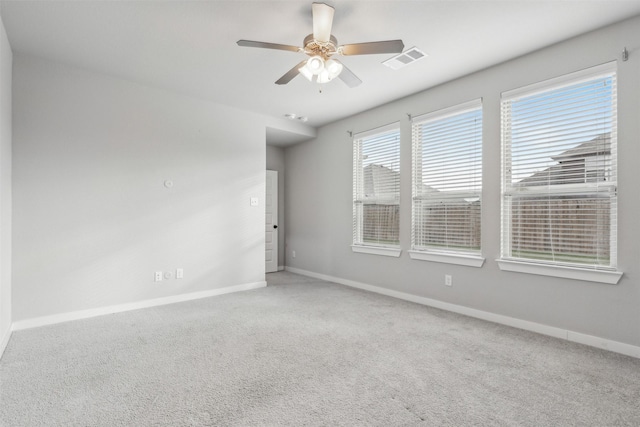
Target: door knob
x,y
275,226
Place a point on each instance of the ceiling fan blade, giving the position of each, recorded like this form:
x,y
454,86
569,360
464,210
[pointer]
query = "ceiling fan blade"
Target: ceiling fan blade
x,y
251,43
290,74
387,46
322,21
347,76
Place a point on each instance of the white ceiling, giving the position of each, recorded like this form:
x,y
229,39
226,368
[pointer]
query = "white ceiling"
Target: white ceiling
x,y
190,46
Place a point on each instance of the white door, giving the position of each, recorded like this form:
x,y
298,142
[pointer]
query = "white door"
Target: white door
x,y
271,223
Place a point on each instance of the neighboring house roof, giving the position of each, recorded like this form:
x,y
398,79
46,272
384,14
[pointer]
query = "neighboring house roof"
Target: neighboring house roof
x,y
571,167
601,144
380,181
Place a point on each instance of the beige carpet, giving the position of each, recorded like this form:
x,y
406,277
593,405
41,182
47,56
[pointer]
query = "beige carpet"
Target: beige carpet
x,y
307,352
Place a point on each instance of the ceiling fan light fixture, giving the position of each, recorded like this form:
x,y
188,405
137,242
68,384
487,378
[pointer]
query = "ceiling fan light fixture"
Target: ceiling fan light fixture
x,y
304,70
333,67
324,77
315,65
307,73
313,68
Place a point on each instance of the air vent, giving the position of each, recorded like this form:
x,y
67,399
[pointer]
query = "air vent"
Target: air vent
x,y
405,58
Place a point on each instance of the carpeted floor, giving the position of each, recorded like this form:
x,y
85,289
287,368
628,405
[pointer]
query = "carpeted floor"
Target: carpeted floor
x,y
303,352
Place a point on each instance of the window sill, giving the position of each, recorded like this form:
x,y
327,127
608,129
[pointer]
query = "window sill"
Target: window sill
x,y
375,250
448,258
589,275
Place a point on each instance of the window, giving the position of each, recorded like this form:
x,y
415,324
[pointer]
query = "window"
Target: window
x,y
559,171
376,191
447,184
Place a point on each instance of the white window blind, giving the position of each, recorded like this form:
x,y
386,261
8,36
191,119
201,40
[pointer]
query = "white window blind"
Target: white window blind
x,y
447,179
376,187
559,196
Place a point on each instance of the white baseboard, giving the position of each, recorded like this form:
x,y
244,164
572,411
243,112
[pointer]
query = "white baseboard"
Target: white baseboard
x,y
281,268
615,346
4,341
85,314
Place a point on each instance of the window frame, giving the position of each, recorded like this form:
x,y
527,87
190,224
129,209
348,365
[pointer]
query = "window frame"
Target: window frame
x,y
573,270
449,255
358,243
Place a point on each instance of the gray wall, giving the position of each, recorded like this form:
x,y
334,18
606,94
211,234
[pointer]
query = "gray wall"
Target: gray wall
x,y
275,162
92,217
6,60
319,200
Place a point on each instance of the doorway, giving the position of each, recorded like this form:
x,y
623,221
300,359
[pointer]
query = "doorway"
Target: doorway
x,y
271,222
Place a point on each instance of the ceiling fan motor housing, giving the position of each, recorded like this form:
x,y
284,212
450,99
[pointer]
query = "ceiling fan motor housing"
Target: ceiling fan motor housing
x,y
313,47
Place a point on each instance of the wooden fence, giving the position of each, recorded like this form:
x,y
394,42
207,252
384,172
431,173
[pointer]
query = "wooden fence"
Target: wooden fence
x,y
576,229
381,224
448,225
570,229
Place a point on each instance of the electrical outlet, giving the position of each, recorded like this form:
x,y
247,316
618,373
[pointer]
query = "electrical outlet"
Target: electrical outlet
x,y
158,276
448,280
179,273
294,254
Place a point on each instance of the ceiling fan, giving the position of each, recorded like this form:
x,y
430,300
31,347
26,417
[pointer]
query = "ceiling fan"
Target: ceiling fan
x,y
321,46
